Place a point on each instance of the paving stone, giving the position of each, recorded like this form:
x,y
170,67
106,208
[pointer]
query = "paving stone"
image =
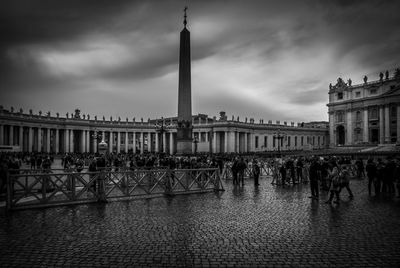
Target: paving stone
x,y
268,226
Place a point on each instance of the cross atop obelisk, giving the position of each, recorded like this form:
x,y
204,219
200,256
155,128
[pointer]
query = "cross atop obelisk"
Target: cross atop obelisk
x,y
184,130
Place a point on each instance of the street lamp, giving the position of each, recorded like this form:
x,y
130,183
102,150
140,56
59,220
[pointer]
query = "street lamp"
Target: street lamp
x,y
162,128
279,136
98,136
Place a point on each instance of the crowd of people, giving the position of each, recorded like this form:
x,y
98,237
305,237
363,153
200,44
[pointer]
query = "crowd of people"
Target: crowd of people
x,y
330,174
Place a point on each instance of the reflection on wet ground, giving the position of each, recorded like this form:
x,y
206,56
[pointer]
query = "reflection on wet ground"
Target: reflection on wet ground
x,y
244,226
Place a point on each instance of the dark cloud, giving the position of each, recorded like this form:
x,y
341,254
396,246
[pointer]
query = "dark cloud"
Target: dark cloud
x,y
284,51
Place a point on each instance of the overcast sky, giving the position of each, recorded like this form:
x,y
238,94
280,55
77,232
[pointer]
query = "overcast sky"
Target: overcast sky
x,y
263,59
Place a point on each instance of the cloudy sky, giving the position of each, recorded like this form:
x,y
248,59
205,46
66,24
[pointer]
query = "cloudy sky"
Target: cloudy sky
x,y
263,59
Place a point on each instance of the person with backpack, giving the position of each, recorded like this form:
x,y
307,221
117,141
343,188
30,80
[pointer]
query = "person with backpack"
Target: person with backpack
x,y
344,177
334,185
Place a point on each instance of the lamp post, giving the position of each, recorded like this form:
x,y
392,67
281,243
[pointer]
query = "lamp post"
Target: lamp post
x,y
98,136
161,128
279,136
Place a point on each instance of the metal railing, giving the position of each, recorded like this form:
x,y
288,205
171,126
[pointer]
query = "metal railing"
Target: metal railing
x,y
32,190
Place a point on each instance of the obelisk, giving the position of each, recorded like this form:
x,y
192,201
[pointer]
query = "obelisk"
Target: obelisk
x,y
184,128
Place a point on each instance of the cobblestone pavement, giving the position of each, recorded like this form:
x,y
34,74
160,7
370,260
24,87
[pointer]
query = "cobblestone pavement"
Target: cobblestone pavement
x,y
269,226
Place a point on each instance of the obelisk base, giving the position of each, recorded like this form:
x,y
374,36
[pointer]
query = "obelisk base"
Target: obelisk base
x,y
184,147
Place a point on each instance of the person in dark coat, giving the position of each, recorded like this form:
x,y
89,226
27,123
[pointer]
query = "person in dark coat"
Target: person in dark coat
x,y
235,171
314,178
371,174
256,172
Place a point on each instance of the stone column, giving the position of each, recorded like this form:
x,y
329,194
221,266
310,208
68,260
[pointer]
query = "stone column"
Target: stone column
x,y
83,141
88,141
66,141
141,142
246,147
237,142
398,124
226,141
1,134
57,149
157,149
39,139
349,128
111,141
71,141
21,138
118,142
134,142
48,132
171,143
387,124
381,126
365,126
11,136
331,130
30,139
126,141
149,141
214,142
252,149
164,137
94,141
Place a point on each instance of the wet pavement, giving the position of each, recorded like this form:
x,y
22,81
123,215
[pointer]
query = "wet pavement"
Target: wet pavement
x,y
268,226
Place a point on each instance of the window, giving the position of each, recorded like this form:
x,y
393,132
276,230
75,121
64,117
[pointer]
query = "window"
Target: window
x,y
313,140
295,141
265,141
319,141
358,94
358,116
256,142
203,136
373,113
302,141
288,141
393,111
340,96
339,116
273,142
372,91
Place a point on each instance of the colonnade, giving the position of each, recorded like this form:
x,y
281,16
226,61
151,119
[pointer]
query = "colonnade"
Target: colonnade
x,y
66,140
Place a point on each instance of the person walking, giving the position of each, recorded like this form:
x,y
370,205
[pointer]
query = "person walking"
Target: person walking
x,y
256,172
344,177
241,168
314,178
371,174
235,170
334,184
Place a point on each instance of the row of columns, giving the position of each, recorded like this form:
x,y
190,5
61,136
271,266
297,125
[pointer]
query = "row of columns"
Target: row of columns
x,y
41,142
384,126
242,142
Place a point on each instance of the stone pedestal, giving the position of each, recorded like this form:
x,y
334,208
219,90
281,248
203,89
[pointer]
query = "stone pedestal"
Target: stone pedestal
x,y
184,147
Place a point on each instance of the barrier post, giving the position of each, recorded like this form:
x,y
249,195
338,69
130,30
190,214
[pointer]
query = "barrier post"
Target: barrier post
x,y
102,192
9,191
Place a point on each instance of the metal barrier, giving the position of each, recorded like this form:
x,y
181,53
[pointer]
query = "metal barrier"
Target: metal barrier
x,y
49,189
266,169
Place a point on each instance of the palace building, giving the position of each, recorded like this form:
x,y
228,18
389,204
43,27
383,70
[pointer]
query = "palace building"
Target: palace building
x,y
365,114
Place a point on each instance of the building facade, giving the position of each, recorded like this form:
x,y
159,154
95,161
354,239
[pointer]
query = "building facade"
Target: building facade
x,y
28,132
365,114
